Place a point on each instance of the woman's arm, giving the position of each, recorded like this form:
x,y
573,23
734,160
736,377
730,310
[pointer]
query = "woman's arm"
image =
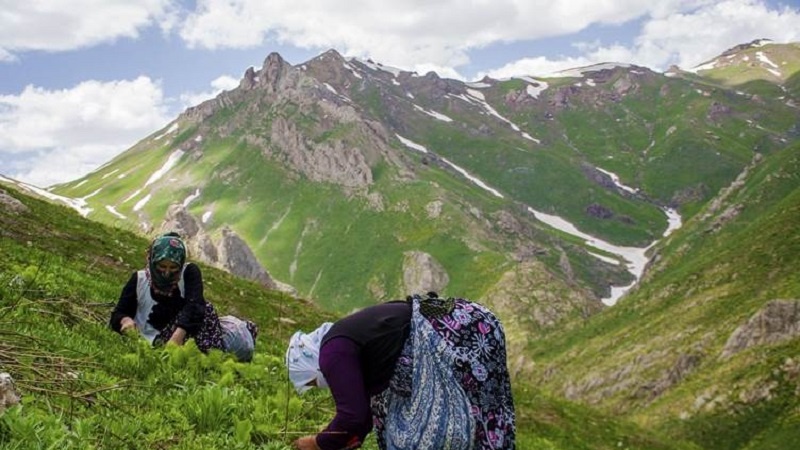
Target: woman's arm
x,y
126,305
340,364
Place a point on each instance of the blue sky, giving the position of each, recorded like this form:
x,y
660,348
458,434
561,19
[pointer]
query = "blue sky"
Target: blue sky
x,y
82,81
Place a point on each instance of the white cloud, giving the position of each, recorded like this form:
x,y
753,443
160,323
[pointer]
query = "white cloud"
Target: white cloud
x,y
404,32
60,25
52,136
219,84
686,39
677,37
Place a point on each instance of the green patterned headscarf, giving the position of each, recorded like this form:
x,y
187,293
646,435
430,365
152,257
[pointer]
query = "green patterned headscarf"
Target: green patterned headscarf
x,y
170,247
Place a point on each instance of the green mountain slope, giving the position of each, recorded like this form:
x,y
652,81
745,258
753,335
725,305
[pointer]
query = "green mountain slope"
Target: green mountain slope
x,y
667,355
334,171
83,386
339,173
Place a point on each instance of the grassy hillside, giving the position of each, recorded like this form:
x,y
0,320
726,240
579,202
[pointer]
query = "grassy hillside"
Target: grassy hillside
x,y
342,249
656,356
85,387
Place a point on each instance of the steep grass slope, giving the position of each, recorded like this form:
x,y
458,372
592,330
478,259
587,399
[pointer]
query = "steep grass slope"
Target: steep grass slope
x,y
663,356
85,387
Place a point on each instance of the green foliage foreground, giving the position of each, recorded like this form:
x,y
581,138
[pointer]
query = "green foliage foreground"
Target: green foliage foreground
x,y
86,387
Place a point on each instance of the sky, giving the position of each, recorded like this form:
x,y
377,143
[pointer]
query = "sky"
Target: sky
x,y
84,80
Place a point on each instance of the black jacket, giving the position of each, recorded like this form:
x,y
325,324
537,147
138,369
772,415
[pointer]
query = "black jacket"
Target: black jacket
x,y
189,310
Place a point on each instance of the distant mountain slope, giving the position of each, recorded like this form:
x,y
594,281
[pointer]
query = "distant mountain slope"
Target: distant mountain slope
x,y
707,345
336,172
758,60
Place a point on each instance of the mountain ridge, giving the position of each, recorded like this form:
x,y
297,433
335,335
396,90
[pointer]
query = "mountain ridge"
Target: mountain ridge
x,y
333,175
350,163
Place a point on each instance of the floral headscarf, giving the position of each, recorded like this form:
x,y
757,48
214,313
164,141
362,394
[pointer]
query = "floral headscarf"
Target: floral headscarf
x,y
302,358
166,247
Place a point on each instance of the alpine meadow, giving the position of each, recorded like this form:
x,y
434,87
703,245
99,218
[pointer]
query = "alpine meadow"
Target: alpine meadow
x,y
636,232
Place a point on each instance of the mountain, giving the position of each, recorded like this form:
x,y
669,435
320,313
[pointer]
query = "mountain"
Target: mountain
x,y
706,346
351,182
67,381
759,67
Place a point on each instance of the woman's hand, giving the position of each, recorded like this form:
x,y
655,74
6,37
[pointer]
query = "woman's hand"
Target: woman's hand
x,y
127,324
178,337
306,443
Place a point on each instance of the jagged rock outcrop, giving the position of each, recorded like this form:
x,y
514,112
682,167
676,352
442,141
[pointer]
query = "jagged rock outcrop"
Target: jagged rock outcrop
x,y
716,111
422,273
331,161
528,297
529,288
198,242
180,220
9,203
231,253
683,366
560,98
236,257
624,85
777,321
8,394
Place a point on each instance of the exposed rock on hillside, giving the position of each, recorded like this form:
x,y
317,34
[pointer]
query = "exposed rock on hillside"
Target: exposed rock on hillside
x,y
237,258
528,297
422,273
199,244
231,254
332,162
778,321
683,366
9,203
529,288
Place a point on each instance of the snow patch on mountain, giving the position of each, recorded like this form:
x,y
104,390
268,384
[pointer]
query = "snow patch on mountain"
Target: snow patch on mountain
x,y
191,197
78,204
580,71
114,211
772,66
434,114
140,204
477,98
173,128
615,179
171,161
475,180
635,257
411,144
534,87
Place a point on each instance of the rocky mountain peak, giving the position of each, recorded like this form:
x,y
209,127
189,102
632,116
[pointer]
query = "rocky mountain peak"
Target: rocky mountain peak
x,y
330,55
752,44
273,71
271,76
273,61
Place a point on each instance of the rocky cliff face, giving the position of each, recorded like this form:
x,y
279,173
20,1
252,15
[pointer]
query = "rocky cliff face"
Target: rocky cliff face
x,y
778,321
236,257
11,204
336,144
231,253
422,273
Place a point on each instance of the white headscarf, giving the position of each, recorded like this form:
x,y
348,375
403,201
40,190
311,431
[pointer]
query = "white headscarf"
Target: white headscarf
x,y
302,358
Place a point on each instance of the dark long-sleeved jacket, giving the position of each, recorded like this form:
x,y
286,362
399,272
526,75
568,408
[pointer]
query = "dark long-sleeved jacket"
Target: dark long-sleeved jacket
x,y
357,357
188,309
